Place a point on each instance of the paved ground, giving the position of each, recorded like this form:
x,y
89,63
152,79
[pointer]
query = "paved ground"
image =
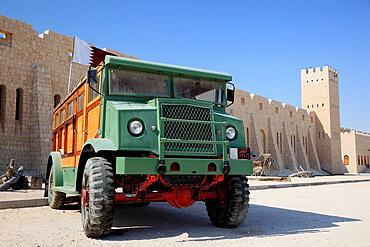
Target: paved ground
x,y
328,215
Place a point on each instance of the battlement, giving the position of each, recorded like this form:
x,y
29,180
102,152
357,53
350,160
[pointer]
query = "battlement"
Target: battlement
x,y
315,70
270,104
357,132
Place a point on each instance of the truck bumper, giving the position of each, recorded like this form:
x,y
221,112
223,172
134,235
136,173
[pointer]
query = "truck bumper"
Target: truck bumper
x,y
140,166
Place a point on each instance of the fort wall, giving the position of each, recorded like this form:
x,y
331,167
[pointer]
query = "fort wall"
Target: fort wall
x,y
34,71
355,150
285,131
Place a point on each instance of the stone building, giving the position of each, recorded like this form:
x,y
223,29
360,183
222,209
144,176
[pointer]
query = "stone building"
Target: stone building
x,y
355,150
307,138
34,71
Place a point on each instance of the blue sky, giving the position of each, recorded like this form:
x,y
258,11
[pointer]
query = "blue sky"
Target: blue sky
x,y
263,44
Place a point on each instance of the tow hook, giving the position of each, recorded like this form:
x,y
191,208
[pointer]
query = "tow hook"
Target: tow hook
x,y
161,168
226,168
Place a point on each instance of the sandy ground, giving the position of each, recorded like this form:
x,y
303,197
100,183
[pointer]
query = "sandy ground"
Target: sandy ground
x,y
34,194
297,180
328,215
20,195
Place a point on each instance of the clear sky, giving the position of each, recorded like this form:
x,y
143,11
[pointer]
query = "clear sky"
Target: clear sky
x,y
263,44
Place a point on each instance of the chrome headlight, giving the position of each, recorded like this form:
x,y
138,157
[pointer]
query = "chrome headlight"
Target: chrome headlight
x,y
135,127
230,133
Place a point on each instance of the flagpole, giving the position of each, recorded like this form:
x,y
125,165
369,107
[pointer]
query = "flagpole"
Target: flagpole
x,y
70,67
69,77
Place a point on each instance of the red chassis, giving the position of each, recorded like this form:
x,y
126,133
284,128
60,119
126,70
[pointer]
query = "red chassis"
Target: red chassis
x,y
178,195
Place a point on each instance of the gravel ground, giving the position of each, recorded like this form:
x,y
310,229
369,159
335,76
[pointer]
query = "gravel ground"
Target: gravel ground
x,y
328,215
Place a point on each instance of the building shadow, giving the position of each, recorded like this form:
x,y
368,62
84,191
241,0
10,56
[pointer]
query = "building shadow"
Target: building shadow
x,y
159,220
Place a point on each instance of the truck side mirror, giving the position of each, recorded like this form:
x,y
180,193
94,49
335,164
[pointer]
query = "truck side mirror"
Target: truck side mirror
x,y
92,76
230,92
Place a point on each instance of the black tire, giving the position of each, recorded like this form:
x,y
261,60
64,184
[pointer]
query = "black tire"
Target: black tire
x,y
56,199
233,211
97,197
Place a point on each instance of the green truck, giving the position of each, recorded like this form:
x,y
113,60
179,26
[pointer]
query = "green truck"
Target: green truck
x,y
139,132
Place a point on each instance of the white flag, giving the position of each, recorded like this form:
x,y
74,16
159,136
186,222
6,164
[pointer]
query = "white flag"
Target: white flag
x,y
81,51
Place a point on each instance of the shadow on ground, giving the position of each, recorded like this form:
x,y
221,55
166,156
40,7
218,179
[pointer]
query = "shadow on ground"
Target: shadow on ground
x,y
159,220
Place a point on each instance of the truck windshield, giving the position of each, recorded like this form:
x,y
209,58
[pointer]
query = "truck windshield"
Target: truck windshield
x,y
208,90
138,83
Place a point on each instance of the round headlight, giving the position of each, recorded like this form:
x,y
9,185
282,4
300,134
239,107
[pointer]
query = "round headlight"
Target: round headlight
x,y
135,127
230,133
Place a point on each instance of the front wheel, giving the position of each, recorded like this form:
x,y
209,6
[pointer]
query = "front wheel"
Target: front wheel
x,y
56,199
97,197
232,210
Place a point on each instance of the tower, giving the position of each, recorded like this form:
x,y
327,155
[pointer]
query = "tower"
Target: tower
x,y
320,93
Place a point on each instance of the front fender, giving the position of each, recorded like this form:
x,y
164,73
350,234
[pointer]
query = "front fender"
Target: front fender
x,y
101,144
55,163
90,149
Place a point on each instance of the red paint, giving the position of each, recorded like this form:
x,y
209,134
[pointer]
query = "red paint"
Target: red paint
x,y
179,196
175,167
85,197
244,153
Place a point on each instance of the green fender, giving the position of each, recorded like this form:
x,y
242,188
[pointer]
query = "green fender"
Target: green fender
x,y
55,163
95,145
101,144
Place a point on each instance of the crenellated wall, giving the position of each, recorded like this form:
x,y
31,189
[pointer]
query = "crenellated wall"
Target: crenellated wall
x,y
320,93
285,131
355,150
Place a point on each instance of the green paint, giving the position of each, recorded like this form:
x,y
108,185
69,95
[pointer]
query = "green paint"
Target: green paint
x,y
137,166
57,168
130,151
102,144
69,176
141,65
67,189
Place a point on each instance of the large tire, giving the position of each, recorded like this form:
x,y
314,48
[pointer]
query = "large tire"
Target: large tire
x,y
97,197
56,199
233,211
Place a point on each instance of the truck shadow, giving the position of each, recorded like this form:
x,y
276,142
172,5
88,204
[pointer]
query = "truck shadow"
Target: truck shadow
x,y
160,220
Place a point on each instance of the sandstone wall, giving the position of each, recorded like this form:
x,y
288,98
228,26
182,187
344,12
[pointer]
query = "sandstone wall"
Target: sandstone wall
x,y
356,145
285,131
38,66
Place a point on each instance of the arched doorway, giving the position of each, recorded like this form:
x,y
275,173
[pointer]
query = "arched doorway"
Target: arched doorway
x,y
346,160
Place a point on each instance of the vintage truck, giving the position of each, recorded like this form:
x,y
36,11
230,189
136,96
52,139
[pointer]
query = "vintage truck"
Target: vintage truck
x,y
137,132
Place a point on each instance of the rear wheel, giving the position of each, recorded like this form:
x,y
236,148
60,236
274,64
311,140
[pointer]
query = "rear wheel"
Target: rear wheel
x,y
97,197
232,210
56,199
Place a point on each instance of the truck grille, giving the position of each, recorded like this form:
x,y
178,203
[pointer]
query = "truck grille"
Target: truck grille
x,y
192,130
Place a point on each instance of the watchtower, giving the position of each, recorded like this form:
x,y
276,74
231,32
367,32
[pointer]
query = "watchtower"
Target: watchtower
x,y
320,93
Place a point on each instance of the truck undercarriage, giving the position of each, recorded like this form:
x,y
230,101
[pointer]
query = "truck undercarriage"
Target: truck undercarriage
x,y
180,191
